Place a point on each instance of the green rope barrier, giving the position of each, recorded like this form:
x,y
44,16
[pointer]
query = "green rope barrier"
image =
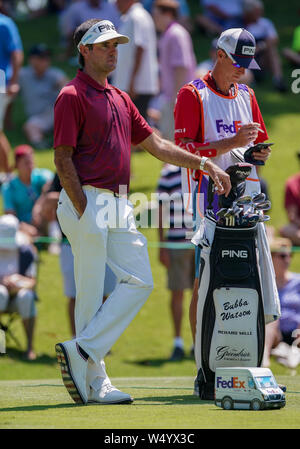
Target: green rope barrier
x,y
151,244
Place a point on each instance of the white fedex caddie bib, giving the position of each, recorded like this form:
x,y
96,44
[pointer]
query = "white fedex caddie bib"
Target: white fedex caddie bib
x,y
222,118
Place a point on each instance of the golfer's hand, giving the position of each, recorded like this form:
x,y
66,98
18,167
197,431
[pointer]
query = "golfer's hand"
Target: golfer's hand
x,y
220,178
81,207
246,135
262,155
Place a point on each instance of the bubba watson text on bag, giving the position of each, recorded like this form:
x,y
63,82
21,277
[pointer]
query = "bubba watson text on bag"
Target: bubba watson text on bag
x,y
230,313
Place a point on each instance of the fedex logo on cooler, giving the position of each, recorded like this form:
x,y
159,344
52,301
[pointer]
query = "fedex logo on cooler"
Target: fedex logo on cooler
x,y
232,128
234,382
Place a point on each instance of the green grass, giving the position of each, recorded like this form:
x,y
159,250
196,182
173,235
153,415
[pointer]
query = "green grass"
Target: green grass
x,y
32,394
160,403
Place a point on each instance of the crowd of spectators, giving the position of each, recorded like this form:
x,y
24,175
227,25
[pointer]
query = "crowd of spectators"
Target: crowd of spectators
x,y
159,59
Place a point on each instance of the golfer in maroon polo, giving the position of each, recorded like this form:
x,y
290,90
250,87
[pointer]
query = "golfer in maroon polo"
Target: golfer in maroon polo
x,y
95,125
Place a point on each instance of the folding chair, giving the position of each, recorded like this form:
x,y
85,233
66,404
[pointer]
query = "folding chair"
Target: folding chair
x,y
6,326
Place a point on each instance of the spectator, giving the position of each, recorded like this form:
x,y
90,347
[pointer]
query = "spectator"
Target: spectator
x,y
56,6
219,15
178,262
288,284
292,206
8,7
48,210
293,54
184,15
11,60
137,71
17,277
176,58
22,191
208,64
81,11
40,84
266,38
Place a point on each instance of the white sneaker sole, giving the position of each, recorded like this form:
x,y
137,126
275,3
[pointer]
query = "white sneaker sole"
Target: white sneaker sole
x,y
62,358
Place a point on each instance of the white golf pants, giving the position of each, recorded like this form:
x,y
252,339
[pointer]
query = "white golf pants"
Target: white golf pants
x,y
105,233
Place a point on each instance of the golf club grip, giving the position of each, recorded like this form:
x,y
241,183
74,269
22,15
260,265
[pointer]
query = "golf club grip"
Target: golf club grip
x,y
210,194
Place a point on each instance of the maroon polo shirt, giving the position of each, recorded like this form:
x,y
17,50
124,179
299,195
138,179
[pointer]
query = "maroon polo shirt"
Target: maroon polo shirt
x,y
100,123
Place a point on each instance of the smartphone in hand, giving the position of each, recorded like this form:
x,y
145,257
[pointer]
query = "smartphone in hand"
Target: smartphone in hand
x,y
248,155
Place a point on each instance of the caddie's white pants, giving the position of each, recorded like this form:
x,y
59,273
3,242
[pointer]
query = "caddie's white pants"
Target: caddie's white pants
x,y
105,233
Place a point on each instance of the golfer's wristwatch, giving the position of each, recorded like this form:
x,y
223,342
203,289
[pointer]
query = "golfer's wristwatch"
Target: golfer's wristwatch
x,y
202,163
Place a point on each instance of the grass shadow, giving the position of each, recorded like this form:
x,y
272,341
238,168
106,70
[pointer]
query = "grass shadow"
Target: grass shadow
x,y
31,408
19,355
172,400
154,363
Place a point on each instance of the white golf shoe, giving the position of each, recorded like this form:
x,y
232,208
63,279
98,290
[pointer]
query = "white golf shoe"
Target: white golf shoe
x,y
73,370
108,394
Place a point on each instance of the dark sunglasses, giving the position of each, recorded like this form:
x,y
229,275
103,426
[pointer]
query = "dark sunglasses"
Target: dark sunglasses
x,y
235,64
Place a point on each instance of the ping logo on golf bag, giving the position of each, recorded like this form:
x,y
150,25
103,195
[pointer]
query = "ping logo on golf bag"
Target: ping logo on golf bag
x,y
234,382
231,253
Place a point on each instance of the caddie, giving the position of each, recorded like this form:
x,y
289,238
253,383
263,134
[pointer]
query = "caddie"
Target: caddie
x,y
216,117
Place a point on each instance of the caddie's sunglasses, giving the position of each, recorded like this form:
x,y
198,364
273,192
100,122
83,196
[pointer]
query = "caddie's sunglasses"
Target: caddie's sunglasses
x,y
235,64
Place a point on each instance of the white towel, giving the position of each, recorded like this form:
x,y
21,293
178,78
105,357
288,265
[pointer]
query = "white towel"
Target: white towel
x,y
268,283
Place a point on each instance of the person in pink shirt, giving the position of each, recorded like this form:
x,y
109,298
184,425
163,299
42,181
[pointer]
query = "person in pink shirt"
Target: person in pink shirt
x,y
292,207
94,127
177,61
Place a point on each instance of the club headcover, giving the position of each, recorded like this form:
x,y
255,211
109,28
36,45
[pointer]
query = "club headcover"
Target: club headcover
x,y
238,174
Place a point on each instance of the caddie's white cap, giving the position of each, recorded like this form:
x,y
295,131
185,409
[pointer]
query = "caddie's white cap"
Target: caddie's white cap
x,y
239,45
102,31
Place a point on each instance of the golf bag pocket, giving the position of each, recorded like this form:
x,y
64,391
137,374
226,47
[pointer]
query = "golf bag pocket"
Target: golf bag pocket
x,y
230,314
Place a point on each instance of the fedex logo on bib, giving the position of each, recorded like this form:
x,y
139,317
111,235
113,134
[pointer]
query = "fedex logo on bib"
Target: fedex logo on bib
x,y
228,128
234,382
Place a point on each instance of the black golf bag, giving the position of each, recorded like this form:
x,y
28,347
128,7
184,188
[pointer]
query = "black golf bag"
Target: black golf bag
x,y
230,313
230,309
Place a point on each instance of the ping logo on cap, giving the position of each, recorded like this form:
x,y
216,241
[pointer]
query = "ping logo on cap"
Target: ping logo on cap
x,y
246,50
106,27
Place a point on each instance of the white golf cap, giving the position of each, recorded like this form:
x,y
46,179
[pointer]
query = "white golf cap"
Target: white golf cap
x,y
240,46
102,31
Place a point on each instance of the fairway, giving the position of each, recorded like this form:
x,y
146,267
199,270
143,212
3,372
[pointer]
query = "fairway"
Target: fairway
x,y
160,403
